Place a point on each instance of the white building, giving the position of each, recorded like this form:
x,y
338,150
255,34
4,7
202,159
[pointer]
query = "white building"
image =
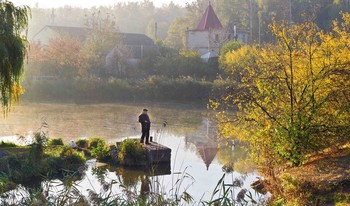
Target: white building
x,y
210,35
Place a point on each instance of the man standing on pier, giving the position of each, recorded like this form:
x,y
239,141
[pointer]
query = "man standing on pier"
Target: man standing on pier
x,y
145,125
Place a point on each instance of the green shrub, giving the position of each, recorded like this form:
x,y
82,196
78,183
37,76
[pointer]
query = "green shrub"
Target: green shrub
x,y
37,148
19,168
57,141
22,169
71,159
51,165
131,153
7,144
93,142
82,143
4,165
66,151
101,152
6,184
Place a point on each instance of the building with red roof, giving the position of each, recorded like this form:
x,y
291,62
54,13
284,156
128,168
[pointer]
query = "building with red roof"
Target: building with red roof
x,y
209,35
209,20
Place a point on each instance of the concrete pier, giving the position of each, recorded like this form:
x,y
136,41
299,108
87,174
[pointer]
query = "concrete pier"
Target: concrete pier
x,y
157,153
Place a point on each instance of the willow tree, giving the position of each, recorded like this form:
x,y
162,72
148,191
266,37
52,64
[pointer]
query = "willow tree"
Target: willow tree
x,y
293,96
14,21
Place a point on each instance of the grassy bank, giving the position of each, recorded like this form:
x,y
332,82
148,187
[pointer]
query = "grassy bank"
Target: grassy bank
x,y
53,159
25,163
154,88
323,179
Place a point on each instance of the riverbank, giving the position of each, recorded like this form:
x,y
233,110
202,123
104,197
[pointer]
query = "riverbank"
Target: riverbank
x,y
184,89
323,179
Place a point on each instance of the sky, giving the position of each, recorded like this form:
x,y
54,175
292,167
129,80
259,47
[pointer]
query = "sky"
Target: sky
x,y
88,3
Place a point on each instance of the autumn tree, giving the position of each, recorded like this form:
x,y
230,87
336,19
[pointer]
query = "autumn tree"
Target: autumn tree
x,y
229,47
102,38
293,96
176,37
64,58
13,46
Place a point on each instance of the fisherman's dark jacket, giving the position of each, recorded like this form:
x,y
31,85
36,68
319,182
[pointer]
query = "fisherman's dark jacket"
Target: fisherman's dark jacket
x,y
145,122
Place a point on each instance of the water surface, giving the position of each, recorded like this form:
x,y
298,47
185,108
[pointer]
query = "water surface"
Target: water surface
x,y
189,130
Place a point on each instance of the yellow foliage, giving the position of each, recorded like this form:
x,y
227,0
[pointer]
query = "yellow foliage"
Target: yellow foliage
x,y
16,90
293,97
189,53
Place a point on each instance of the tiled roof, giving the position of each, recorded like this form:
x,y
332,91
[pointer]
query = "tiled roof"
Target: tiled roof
x,y
82,32
136,39
209,20
73,31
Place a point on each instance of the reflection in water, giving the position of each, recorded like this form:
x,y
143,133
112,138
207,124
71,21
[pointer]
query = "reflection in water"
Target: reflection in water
x,y
235,158
207,153
145,186
102,185
205,141
196,160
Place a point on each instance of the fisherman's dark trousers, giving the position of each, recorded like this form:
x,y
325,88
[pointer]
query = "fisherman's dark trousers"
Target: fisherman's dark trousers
x,y
145,133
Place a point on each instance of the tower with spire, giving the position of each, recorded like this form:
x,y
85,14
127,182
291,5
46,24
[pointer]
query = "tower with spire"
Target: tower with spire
x,y
209,20
209,35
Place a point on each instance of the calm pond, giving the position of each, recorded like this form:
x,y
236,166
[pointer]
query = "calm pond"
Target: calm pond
x,y
196,159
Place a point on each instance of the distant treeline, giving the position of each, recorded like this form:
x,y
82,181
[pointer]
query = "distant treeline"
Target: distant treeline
x,y
64,70
172,20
